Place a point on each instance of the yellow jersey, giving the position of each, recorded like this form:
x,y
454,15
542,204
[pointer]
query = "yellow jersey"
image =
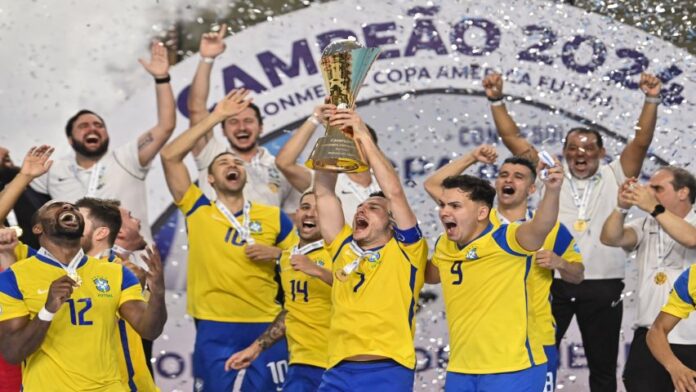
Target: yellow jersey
x,y
681,299
308,302
485,293
374,308
562,243
223,284
23,251
131,354
80,347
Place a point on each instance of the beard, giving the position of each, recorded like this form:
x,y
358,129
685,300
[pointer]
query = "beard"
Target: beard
x,y
82,149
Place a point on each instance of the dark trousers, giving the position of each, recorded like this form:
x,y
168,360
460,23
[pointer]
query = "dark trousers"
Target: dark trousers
x,y
644,374
596,305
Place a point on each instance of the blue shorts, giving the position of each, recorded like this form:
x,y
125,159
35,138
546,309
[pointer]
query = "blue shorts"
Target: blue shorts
x,y
383,376
303,378
551,367
216,341
527,380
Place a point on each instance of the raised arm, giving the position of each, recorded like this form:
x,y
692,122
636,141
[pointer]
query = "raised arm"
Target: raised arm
x,y
682,376
633,154
20,336
148,319
152,141
532,233
272,334
485,153
614,233
36,163
675,226
299,176
328,205
506,126
211,46
384,172
173,154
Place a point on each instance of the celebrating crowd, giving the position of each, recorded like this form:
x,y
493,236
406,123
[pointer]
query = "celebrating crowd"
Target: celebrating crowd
x,y
82,291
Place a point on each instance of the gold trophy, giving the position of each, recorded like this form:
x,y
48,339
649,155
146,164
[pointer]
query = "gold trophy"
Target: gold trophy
x,y
344,65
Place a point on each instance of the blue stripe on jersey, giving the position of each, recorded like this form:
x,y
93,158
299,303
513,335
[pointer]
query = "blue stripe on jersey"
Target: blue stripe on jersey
x,y
126,354
527,267
285,227
57,264
681,286
338,252
202,201
563,239
408,236
129,279
8,284
412,306
31,252
500,238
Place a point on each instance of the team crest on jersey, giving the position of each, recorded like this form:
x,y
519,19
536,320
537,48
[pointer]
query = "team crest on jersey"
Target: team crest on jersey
x,y
255,227
319,263
576,248
472,255
102,284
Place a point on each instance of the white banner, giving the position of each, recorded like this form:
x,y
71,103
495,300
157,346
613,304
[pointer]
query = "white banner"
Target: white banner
x,y
564,67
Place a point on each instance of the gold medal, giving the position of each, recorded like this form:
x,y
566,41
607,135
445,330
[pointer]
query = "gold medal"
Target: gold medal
x,y
341,275
660,278
74,276
580,225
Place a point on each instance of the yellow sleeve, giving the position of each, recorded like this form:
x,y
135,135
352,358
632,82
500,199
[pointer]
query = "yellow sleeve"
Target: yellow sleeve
x,y
440,243
506,237
21,251
562,243
681,298
343,236
193,198
11,299
287,235
130,288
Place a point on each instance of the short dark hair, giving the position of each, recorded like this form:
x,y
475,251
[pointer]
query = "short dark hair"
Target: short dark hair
x,y
518,160
104,213
600,141
210,167
308,192
682,179
71,121
378,194
479,190
257,112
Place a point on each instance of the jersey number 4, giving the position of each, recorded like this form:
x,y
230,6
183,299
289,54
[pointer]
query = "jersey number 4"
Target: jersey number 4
x,y
77,317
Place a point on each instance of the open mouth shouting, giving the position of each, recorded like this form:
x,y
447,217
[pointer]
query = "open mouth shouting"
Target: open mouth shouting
x,y
232,175
68,219
92,140
450,226
360,223
243,136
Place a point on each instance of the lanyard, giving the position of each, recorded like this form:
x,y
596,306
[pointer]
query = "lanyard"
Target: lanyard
x,y
582,202
242,229
503,220
296,250
94,177
362,254
71,268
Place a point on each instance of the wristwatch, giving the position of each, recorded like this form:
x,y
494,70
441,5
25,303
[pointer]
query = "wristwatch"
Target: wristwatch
x,y
658,210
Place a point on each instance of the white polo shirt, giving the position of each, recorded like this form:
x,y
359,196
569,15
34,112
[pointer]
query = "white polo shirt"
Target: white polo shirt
x,y
601,261
265,183
352,194
651,296
119,176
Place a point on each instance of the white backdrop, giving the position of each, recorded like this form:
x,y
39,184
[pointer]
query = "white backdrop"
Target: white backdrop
x,y
563,66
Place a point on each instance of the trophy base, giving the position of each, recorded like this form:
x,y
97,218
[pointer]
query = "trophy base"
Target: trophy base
x,y
336,154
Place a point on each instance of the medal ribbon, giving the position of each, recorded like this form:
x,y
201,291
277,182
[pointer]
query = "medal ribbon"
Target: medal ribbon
x,y
242,229
582,202
93,184
503,220
296,250
71,268
362,254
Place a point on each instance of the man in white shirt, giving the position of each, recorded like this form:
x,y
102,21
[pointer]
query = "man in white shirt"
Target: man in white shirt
x,y
665,245
351,188
587,199
265,183
96,171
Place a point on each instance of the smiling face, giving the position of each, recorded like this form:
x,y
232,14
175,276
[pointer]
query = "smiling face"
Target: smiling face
x,y
60,220
582,153
371,222
242,130
227,174
88,136
307,220
461,216
514,185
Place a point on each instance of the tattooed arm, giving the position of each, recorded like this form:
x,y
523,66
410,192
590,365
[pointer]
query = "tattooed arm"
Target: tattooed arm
x,y
244,358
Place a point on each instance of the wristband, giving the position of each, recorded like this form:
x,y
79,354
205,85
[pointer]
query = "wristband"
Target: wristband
x,y
497,103
314,119
500,98
208,60
622,211
45,315
656,100
163,80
